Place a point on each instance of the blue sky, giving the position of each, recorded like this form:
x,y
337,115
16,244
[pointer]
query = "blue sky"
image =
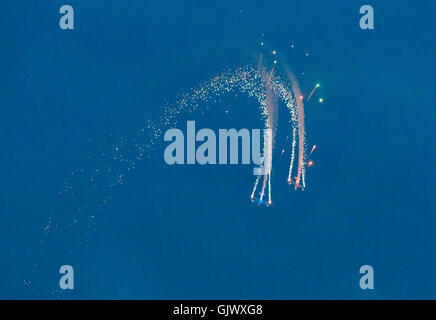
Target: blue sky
x,y
180,232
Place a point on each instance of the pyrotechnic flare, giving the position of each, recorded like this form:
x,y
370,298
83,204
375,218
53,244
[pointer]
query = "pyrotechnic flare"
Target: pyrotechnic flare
x,y
311,93
313,149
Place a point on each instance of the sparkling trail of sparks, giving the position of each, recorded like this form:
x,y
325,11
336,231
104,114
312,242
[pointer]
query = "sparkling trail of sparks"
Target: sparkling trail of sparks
x,y
301,131
294,141
271,101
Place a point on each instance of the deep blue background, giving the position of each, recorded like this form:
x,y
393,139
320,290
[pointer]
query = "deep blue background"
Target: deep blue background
x,y
191,232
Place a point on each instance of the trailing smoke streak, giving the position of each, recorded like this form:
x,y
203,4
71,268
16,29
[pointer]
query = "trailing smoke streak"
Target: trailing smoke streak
x,y
311,93
301,132
260,63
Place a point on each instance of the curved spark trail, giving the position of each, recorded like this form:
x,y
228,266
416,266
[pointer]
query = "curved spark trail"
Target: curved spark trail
x,y
91,189
114,165
266,87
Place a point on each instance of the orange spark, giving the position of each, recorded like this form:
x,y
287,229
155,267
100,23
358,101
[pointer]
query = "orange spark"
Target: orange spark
x,y
313,149
297,182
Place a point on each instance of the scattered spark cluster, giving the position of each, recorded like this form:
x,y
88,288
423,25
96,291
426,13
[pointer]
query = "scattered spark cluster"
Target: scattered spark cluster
x,y
90,190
